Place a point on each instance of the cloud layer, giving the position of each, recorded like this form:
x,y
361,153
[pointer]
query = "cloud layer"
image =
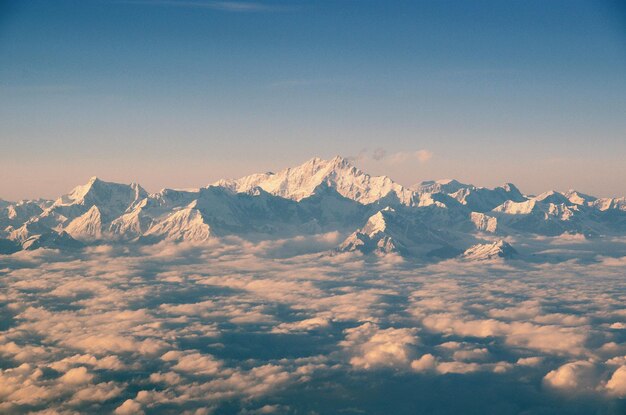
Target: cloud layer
x,y
240,327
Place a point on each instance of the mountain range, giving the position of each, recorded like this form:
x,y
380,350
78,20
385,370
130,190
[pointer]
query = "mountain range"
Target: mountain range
x,y
433,219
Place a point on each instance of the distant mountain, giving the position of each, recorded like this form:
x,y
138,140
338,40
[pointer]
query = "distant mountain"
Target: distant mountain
x,y
433,219
489,251
182,225
111,199
86,226
389,231
51,239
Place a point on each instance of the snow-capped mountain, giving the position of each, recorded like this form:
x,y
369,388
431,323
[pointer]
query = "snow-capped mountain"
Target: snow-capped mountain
x,y
182,225
390,231
434,219
111,199
300,182
51,239
541,216
86,226
483,222
16,214
495,250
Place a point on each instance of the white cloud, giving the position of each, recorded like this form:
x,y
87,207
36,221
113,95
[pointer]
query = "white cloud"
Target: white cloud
x,y
529,361
77,376
457,367
314,323
371,347
572,376
196,363
617,384
425,363
553,339
421,156
129,407
111,362
101,392
22,385
382,155
170,378
193,327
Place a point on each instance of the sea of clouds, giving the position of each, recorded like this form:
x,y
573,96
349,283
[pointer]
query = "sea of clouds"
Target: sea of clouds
x,y
235,327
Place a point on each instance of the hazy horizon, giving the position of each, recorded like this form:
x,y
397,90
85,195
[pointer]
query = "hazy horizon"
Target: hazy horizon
x,y
369,162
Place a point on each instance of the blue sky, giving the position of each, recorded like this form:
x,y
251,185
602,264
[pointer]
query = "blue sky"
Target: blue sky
x,y
181,93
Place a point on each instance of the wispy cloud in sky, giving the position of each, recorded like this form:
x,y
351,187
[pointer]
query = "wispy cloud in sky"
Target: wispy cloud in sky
x,y
381,155
227,6
420,155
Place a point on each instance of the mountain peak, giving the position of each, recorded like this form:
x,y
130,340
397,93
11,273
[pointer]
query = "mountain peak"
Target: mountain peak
x,y
185,224
398,231
86,226
303,181
552,196
340,161
510,188
376,223
489,251
448,186
317,164
112,199
517,208
448,181
579,198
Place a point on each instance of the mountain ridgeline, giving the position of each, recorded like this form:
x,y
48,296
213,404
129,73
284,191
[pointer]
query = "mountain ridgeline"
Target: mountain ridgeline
x,y
431,220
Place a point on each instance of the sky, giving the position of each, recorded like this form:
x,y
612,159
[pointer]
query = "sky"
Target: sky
x,y
174,93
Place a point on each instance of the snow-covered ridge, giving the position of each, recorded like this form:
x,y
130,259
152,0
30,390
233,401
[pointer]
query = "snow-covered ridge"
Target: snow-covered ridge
x,y
489,251
300,182
434,219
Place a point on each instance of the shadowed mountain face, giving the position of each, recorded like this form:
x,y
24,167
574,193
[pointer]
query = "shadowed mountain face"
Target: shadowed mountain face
x,y
376,214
